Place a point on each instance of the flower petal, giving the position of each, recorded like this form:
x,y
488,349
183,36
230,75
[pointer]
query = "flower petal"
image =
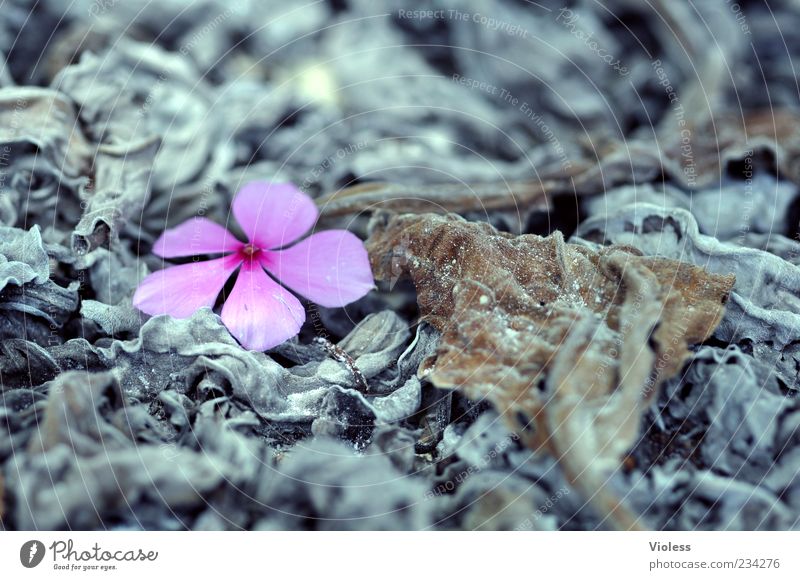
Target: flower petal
x,y
181,290
273,214
259,312
330,268
193,237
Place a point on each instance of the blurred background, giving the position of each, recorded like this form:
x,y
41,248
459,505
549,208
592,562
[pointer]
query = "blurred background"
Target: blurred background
x,y
332,94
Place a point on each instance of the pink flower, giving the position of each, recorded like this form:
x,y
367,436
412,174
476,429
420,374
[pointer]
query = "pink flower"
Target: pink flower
x,y
330,268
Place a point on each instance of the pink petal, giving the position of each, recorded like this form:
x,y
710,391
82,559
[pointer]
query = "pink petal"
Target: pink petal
x,y
330,268
259,312
181,290
273,214
193,237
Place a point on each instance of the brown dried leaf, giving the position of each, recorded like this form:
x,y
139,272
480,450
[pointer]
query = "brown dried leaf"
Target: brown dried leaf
x,y
567,343
434,198
602,168
699,155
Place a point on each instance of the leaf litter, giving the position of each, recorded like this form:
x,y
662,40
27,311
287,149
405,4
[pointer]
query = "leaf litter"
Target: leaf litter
x,y
127,127
568,344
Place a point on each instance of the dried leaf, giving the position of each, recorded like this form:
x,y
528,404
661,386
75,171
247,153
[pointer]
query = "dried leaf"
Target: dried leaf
x,y
121,190
29,299
435,197
761,312
699,155
75,402
568,343
23,258
45,119
616,163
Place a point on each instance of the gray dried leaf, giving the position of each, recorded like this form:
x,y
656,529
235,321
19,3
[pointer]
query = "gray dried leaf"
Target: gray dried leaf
x,y
119,193
23,258
37,192
114,319
736,402
29,299
79,414
381,119
726,221
55,488
324,476
46,120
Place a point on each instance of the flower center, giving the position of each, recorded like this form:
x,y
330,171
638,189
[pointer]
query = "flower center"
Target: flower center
x,y
250,251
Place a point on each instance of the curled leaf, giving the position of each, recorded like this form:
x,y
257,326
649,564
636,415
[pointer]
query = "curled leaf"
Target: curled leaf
x,y
568,343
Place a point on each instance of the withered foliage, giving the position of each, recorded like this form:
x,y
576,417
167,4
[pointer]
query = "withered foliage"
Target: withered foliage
x,y
701,155
119,121
567,343
696,153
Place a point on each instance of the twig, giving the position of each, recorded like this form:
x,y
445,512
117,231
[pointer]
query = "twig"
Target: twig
x,y
338,353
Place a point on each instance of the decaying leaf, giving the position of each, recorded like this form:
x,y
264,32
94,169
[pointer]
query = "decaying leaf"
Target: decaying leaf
x,y
568,343
436,197
121,190
695,155
699,155
71,415
43,118
603,166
